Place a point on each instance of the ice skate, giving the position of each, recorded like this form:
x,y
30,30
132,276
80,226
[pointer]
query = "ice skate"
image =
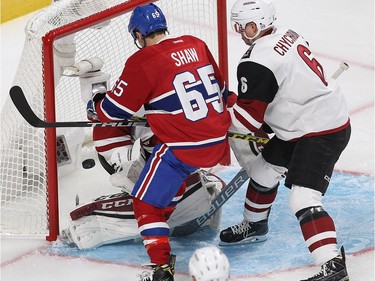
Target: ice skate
x,y
244,233
332,270
163,272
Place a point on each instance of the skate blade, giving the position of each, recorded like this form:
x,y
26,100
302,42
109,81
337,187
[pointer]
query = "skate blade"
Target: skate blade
x,y
250,240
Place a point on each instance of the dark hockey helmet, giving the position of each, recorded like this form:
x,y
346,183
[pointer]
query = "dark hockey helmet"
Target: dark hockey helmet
x,y
147,19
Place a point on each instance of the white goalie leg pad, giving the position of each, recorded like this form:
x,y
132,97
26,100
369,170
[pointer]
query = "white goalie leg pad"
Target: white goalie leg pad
x,y
214,186
130,163
106,220
90,232
88,229
303,197
264,173
192,206
198,202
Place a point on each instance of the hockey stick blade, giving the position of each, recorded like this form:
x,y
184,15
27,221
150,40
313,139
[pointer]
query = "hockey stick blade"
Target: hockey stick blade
x,y
232,187
19,100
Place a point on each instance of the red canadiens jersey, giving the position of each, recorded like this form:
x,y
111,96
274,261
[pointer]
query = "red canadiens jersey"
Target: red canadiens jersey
x,y
282,84
181,88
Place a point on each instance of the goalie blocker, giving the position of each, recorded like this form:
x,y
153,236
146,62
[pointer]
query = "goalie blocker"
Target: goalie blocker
x,y
110,219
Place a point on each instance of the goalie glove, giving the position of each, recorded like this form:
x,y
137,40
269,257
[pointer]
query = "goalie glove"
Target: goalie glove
x,y
128,161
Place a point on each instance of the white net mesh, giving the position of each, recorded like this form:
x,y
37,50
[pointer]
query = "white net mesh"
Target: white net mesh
x,y
23,169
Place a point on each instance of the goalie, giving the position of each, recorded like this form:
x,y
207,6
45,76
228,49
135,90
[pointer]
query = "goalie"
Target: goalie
x,y
110,218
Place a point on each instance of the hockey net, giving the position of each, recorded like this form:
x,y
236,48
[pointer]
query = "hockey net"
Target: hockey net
x,y
33,160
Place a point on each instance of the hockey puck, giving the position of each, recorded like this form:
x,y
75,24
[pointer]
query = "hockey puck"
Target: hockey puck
x,y
88,163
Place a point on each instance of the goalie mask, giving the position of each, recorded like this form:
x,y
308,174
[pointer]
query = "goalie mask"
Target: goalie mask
x,y
261,12
147,19
209,263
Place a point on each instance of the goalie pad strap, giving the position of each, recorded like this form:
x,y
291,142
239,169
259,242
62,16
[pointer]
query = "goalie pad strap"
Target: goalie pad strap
x,y
114,215
193,189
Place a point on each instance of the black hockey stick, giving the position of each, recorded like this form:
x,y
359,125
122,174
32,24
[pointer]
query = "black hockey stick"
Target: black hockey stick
x,y
18,97
231,188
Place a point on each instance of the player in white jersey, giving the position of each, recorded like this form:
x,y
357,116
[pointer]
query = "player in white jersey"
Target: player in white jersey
x,y
282,86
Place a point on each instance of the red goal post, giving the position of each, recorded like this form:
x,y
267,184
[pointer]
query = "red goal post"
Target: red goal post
x,y
34,160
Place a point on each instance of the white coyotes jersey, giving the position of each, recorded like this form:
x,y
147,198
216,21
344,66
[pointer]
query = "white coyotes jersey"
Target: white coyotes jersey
x,y
283,85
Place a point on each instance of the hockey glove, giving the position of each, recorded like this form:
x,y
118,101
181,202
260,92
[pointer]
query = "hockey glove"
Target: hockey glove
x,y
90,108
91,112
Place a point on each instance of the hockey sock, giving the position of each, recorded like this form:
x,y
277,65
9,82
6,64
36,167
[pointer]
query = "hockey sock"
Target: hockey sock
x,y
154,231
259,201
319,233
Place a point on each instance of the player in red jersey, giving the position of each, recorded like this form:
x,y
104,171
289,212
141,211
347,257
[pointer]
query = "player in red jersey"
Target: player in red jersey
x,y
183,93
281,84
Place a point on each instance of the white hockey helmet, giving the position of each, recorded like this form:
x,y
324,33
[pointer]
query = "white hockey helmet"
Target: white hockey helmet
x,y
209,264
261,12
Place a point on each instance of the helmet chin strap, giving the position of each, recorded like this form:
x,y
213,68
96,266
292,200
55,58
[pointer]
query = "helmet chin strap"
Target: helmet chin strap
x,y
144,42
143,38
136,44
139,46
